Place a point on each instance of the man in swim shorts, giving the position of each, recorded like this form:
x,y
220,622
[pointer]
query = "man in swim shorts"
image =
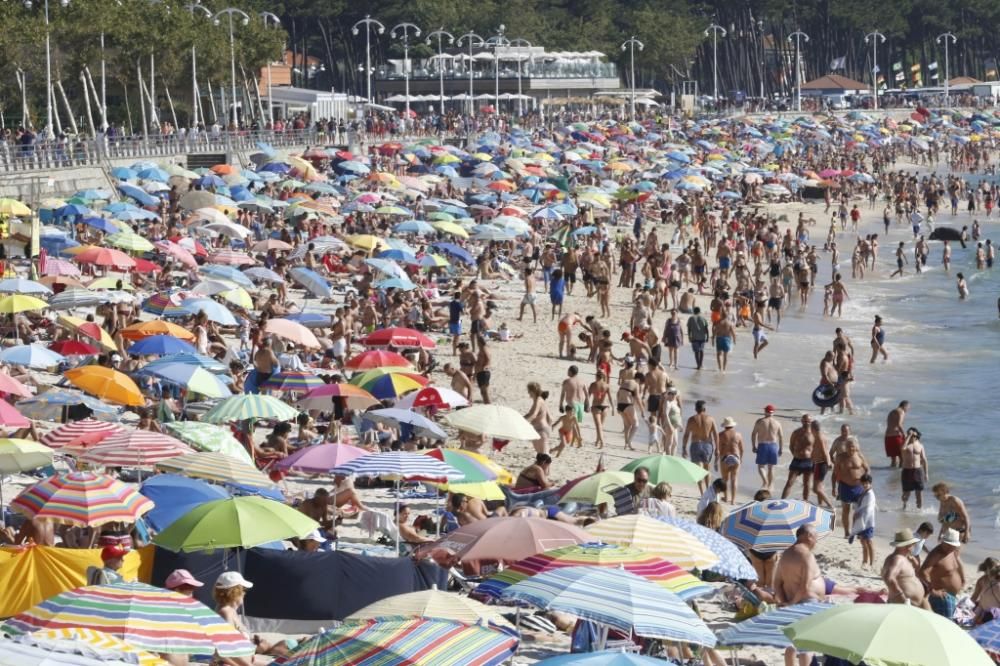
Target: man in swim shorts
x,y
849,466
894,433
801,443
574,393
725,337
914,474
767,441
703,436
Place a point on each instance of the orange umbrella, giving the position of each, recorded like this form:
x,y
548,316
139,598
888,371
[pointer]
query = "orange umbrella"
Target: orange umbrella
x,y
225,169
107,384
105,256
157,327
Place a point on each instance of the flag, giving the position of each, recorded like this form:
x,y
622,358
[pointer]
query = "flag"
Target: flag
x,y
838,63
897,66
915,68
876,70
932,66
934,75
900,76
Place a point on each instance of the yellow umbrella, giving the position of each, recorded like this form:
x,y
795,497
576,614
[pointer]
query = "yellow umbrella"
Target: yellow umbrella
x,y
488,491
305,169
107,384
88,328
656,538
111,283
435,604
238,296
13,207
384,177
365,242
504,477
620,166
450,228
20,303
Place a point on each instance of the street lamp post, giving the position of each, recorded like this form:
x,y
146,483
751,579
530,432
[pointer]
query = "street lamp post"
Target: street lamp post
x,y
472,39
440,34
270,19
368,22
630,44
496,42
229,12
716,31
946,37
403,31
874,37
48,65
798,35
520,43
193,8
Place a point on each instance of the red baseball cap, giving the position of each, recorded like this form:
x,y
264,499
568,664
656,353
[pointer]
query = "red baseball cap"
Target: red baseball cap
x,y
769,409
113,552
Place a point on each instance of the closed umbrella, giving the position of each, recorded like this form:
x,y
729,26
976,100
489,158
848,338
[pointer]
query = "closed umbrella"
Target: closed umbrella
x,y
770,526
235,522
250,406
210,438
107,384
174,496
497,421
217,467
668,469
84,499
74,298
655,537
507,539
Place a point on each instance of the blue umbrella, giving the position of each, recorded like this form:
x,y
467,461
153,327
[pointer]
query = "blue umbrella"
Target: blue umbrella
x,y
310,319
584,231
154,173
397,255
175,496
414,227
119,206
194,360
766,629
387,266
92,195
403,284
214,310
263,274
56,244
161,345
770,526
312,281
133,215
50,405
732,562
352,167
276,167
124,173
33,356
180,374
411,418
455,251
102,224
227,273
138,194
606,658
22,286
208,180
72,210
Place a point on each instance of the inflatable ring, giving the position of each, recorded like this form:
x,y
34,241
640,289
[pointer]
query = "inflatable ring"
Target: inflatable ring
x,y
826,395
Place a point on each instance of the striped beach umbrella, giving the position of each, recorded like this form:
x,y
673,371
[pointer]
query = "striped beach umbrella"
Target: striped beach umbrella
x,y
51,405
217,467
134,448
250,406
405,642
614,598
655,537
649,566
732,562
321,459
231,258
472,469
74,298
150,618
188,375
769,526
198,360
293,381
766,628
210,438
401,464
84,499
90,643
434,604
80,434
392,385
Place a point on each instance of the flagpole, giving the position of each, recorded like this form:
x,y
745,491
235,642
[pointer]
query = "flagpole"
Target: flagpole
x,y
874,36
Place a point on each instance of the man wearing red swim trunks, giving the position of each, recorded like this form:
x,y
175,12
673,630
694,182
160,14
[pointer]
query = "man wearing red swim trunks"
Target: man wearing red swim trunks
x,y
895,436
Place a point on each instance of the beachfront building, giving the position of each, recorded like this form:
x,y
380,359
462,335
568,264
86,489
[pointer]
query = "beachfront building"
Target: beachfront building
x,y
834,84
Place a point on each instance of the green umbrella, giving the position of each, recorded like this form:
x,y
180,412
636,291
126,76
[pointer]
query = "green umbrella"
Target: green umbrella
x,y
249,406
669,469
236,522
208,437
887,635
596,488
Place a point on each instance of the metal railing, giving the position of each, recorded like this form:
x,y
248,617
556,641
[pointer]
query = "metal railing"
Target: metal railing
x,y
64,153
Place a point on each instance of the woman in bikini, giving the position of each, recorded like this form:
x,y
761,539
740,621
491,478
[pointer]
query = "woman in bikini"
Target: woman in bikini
x,y
538,416
599,403
628,402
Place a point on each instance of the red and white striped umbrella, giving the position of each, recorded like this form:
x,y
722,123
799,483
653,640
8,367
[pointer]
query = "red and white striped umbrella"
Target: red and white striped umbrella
x,y
80,434
231,258
135,448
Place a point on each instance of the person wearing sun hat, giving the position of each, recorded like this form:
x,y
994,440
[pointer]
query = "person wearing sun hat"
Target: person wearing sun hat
x,y
900,574
730,455
944,574
183,582
113,557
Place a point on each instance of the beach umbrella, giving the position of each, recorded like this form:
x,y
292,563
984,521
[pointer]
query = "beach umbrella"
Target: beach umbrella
x,y
18,303
651,567
22,286
195,199
321,459
420,423
105,256
668,469
59,268
33,356
217,467
497,421
405,642
147,617
473,469
174,496
770,526
767,628
398,337
210,438
887,635
196,360
51,405
213,310
434,604
192,377
227,273
161,345
323,397
595,488
18,456
177,252
605,658
311,281
13,207
73,647
437,397
231,258
107,384
250,406
614,598
234,522
75,298
293,332
506,539
84,499
392,385
264,275
129,241
732,562
10,417
145,329
655,537
88,329
13,387
377,358
134,448
111,283
293,381
400,465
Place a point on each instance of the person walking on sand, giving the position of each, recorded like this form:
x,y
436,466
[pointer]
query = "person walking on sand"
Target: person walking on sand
x,y
800,444
914,473
573,394
730,455
529,296
899,572
767,442
894,433
878,341
599,393
703,436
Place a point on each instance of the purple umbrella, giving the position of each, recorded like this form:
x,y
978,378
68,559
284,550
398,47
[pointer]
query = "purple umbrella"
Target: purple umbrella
x,y
321,459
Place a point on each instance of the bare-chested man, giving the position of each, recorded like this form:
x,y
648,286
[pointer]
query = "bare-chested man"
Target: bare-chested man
x,y
264,362
730,455
529,295
849,466
703,436
915,472
484,363
759,337
822,463
656,383
944,575
767,441
894,434
899,572
574,393
724,335
797,577
460,382
800,443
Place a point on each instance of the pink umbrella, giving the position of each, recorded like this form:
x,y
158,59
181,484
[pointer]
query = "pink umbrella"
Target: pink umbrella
x,y
506,539
369,198
177,252
60,267
11,417
78,434
829,173
135,448
231,258
10,385
321,459
292,331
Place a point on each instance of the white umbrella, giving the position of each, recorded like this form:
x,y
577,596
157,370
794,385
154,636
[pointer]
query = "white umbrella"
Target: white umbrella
x,y
494,421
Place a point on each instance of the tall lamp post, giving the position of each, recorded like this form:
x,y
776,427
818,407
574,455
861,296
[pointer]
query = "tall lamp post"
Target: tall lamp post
x,y
630,44
946,37
520,43
270,19
440,34
194,8
402,31
717,31
875,37
496,41
48,65
472,39
229,12
368,22
798,35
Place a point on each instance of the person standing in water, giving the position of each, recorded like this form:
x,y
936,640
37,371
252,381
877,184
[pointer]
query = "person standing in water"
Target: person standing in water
x,y
963,287
894,433
900,260
878,340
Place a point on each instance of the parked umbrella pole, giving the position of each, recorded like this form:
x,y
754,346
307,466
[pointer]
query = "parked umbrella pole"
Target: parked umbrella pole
x,y
397,517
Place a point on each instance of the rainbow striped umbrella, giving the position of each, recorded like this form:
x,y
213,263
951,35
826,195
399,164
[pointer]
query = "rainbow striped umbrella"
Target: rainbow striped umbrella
x,y
78,434
135,448
249,406
392,385
655,537
149,618
405,642
770,526
653,568
293,382
217,467
82,498
473,470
